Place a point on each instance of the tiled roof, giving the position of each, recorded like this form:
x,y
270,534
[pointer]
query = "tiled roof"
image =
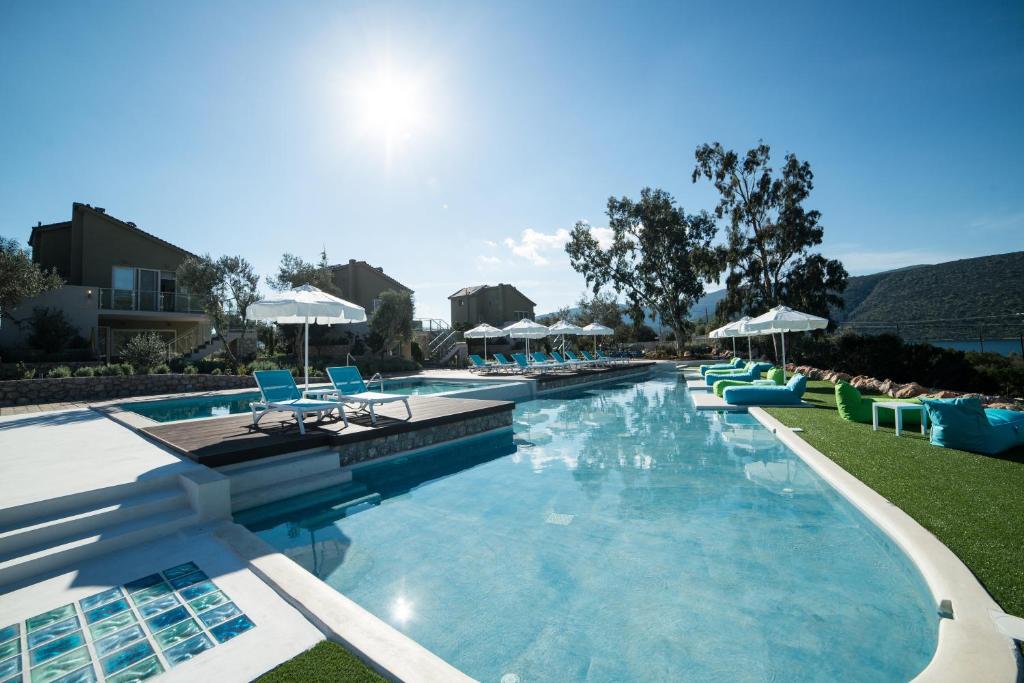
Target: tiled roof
x,y
77,206
466,291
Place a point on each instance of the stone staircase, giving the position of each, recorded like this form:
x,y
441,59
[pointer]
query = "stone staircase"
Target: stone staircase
x,y
40,538
273,479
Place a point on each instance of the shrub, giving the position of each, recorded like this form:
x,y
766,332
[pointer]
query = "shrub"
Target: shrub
x,y
190,370
85,371
417,352
162,369
126,368
215,371
25,372
262,364
144,351
59,371
107,371
50,330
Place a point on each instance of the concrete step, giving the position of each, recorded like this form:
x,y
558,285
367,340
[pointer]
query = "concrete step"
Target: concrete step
x,y
281,469
58,553
279,490
54,526
340,495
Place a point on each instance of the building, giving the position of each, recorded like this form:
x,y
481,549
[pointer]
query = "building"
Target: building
x,y
119,281
362,283
498,305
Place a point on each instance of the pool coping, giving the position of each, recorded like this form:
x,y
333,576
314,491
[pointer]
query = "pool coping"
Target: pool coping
x,y
969,645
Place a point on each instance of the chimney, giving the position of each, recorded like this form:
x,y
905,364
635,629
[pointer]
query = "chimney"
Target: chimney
x,y
100,209
351,261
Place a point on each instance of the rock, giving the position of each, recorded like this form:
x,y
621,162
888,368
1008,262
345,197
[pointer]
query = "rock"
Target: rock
x,y
888,387
1006,406
945,394
910,391
841,376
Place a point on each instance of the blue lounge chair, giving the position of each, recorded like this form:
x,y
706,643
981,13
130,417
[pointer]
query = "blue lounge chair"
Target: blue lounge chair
x,y
279,393
583,363
752,372
735,364
542,359
478,364
571,363
592,359
755,395
525,365
505,364
349,388
603,356
963,423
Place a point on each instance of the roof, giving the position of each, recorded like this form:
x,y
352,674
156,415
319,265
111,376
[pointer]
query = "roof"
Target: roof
x,y
97,211
379,271
470,291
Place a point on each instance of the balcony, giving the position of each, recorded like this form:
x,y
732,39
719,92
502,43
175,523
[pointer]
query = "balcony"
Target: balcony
x,y
141,300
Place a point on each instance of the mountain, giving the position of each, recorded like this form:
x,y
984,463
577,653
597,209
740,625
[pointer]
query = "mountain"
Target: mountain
x,y
956,299
704,306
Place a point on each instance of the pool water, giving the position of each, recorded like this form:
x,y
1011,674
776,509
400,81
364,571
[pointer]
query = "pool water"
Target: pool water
x,y
620,535
192,408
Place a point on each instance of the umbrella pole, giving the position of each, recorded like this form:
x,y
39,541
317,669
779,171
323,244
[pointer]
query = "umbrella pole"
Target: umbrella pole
x,y
307,352
734,346
783,335
485,349
750,354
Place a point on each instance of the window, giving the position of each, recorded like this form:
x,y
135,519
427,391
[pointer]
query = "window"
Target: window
x,y
168,288
122,296
520,315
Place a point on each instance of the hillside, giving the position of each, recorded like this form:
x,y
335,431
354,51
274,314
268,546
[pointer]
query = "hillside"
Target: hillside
x,y
956,293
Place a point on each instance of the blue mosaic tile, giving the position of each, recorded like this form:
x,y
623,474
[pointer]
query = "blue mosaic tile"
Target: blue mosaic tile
x,y
159,605
181,570
9,667
56,648
207,601
16,679
187,650
10,648
140,671
126,657
144,582
162,621
188,580
219,614
108,610
52,632
173,635
114,623
193,592
46,618
9,632
116,641
83,675
229,629
61,666
94,601
151,593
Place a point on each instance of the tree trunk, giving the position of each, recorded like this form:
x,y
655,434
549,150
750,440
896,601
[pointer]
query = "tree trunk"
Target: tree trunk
x,y
680,338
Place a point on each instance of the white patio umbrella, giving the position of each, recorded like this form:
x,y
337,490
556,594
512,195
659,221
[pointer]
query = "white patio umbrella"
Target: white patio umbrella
x,y
595,330
526,329
738,329
563,328
783,319
485,332
719,333
302,305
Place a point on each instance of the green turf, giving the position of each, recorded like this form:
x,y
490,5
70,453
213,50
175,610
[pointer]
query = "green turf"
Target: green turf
x,y
972,503
326,662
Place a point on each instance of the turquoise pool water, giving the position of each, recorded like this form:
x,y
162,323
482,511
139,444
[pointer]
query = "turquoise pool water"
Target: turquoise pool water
x,y
620,535
192,408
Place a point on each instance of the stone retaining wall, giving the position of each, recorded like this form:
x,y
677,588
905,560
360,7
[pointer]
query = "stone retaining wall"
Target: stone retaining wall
x,y
75,389
554,382
372,449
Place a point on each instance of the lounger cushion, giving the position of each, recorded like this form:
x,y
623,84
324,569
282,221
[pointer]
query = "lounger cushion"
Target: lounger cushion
x,y
963,423
749,376
791,394
723,384
856,408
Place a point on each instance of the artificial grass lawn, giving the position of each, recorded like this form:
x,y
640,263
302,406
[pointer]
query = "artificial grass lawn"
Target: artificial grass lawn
x,y
972,503
325,662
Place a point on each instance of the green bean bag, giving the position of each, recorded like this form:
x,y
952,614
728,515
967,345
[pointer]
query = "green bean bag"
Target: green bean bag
x,y
856,408
778,376
723,384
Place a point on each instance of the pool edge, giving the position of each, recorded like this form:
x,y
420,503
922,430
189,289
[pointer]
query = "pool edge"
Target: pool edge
x,y
969,645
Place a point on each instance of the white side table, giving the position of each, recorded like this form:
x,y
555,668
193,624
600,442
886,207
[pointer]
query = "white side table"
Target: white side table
x,y
899,407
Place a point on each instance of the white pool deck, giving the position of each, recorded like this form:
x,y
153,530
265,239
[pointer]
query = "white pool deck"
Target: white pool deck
x,y
65,454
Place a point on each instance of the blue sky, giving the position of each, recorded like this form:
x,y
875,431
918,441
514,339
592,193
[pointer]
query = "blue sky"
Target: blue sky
x,y
259,128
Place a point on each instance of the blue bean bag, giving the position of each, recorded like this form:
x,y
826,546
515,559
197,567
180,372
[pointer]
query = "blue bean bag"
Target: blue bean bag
x,y
963,423
735,364
789,395
753,371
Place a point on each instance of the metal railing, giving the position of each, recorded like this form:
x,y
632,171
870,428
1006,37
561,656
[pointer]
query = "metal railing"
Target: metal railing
x,y
183,345
430,325
111,299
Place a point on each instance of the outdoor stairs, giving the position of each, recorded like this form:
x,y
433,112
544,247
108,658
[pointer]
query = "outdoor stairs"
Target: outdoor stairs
x,y
210,347
36,539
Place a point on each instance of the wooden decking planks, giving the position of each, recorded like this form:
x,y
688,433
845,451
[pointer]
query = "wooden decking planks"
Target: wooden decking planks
x,y
229,440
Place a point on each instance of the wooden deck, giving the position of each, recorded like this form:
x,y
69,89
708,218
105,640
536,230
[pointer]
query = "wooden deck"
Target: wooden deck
x,y
229,440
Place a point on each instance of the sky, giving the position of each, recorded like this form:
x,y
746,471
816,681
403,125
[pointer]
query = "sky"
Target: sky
x,y
456,144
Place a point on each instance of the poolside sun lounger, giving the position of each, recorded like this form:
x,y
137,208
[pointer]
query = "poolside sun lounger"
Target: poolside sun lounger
x,y
605,357
507,365
583,363
735,363
349,388
540,358
571,363
789,395
279,393
478,364
753,371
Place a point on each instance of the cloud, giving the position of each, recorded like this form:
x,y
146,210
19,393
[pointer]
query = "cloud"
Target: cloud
x,y
532,245
603,236
490,243
488,260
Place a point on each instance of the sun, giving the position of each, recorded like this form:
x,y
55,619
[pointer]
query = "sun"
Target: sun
x,y
391,107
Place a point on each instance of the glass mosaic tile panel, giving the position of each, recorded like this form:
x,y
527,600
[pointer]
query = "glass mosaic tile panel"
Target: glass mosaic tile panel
x,y
126,657
181,631
102,598
46,618
159,605
116,641
114,623
187,650
107,610
56,648
52,632
229,629
139,671
61,666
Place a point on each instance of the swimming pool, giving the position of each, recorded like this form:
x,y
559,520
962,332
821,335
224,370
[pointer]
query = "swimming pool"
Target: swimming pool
x,y
196,407
619,534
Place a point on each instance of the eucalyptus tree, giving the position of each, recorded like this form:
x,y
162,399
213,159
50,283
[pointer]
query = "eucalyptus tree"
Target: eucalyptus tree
x,y
660,257
770,235
20,278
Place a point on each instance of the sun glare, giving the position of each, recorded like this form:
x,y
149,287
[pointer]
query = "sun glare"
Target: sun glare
x,y
391,107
